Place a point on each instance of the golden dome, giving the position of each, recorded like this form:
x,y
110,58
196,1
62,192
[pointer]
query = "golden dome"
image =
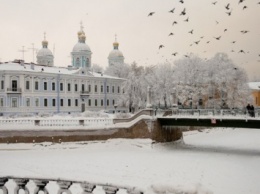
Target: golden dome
x,y
82,37
115,44
80,32
45,43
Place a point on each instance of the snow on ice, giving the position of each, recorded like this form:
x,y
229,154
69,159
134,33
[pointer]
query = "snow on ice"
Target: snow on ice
x,y
219,161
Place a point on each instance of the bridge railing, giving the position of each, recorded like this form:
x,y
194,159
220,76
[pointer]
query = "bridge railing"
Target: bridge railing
x,y
212,112
46,186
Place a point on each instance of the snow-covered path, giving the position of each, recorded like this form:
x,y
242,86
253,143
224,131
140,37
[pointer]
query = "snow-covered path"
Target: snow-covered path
x,y
221,161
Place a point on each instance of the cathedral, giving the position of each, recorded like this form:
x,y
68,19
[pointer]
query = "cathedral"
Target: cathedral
x,y
45,88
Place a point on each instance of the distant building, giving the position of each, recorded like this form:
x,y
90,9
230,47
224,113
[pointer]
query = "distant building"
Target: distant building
x,y
45,88
255,87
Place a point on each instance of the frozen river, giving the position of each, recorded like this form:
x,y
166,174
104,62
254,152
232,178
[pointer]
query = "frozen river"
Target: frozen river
x,y
219,161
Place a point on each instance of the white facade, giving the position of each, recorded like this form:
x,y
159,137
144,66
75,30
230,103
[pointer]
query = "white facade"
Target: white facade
x,y
36,89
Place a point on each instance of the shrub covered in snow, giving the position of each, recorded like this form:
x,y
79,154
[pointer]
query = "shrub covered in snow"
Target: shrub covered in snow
x,y
95,114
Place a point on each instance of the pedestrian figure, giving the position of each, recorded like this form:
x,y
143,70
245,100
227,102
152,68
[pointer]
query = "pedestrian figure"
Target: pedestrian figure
x,y
252,108
248,108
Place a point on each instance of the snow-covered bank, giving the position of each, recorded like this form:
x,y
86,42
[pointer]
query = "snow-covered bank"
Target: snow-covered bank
x,y
212,161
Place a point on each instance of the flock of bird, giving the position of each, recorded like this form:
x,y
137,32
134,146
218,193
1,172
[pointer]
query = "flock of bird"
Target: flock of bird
x,y
227,9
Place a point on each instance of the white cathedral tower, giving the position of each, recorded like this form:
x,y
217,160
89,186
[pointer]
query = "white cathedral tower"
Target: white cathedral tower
x,y
115,56
81,53
44,55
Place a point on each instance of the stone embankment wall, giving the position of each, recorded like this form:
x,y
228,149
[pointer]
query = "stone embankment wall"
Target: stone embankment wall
x,y
145,128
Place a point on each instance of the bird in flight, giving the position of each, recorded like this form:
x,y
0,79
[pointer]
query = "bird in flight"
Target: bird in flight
x,y
186,56
186,20
217,22
229,13
233,42
244,31
197,42
174,23
225,30
241,51
232,51
208,42
174,54
172,11
244,7
191,32
171,34
241,1
183,12
161,46
214,3
227,6
202,37
181,1
217,38
151,13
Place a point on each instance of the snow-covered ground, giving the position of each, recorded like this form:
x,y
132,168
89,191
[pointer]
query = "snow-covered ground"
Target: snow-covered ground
x,y
219,161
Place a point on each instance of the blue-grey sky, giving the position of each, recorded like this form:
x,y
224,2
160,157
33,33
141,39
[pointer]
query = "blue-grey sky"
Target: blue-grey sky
x,y
23,22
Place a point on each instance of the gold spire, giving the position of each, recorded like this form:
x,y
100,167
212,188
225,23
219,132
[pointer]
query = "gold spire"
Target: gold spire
x,y
45,42
81,29
115,44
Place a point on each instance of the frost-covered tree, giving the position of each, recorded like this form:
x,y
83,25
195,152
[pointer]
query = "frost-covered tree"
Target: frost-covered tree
x,y
189,75
160,79
194,82
119,70
227,83
97,68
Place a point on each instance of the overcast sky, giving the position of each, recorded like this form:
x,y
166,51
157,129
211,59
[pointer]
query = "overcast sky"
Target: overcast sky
x,y
23,22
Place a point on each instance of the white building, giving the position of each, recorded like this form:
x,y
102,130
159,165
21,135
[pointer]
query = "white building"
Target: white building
x,y
45,88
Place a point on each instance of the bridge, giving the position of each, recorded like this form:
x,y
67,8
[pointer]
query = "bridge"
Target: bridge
x,y
209,118
209,122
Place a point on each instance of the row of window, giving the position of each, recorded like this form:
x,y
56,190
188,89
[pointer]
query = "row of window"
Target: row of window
x,y
14,102
69,87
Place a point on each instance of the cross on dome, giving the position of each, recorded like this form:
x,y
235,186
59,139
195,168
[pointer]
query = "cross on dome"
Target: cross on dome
x,y
44,42
81,26
116,44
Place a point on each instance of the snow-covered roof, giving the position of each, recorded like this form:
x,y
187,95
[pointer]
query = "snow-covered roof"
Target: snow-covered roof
x,y
115,53
44,52
79,47
104,76
37,68
11,66
254,85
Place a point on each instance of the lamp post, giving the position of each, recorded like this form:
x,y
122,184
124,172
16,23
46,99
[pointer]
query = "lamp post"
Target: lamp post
x,y
115,106
148,100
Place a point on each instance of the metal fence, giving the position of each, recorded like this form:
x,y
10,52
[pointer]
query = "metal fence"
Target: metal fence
x,y
213,112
